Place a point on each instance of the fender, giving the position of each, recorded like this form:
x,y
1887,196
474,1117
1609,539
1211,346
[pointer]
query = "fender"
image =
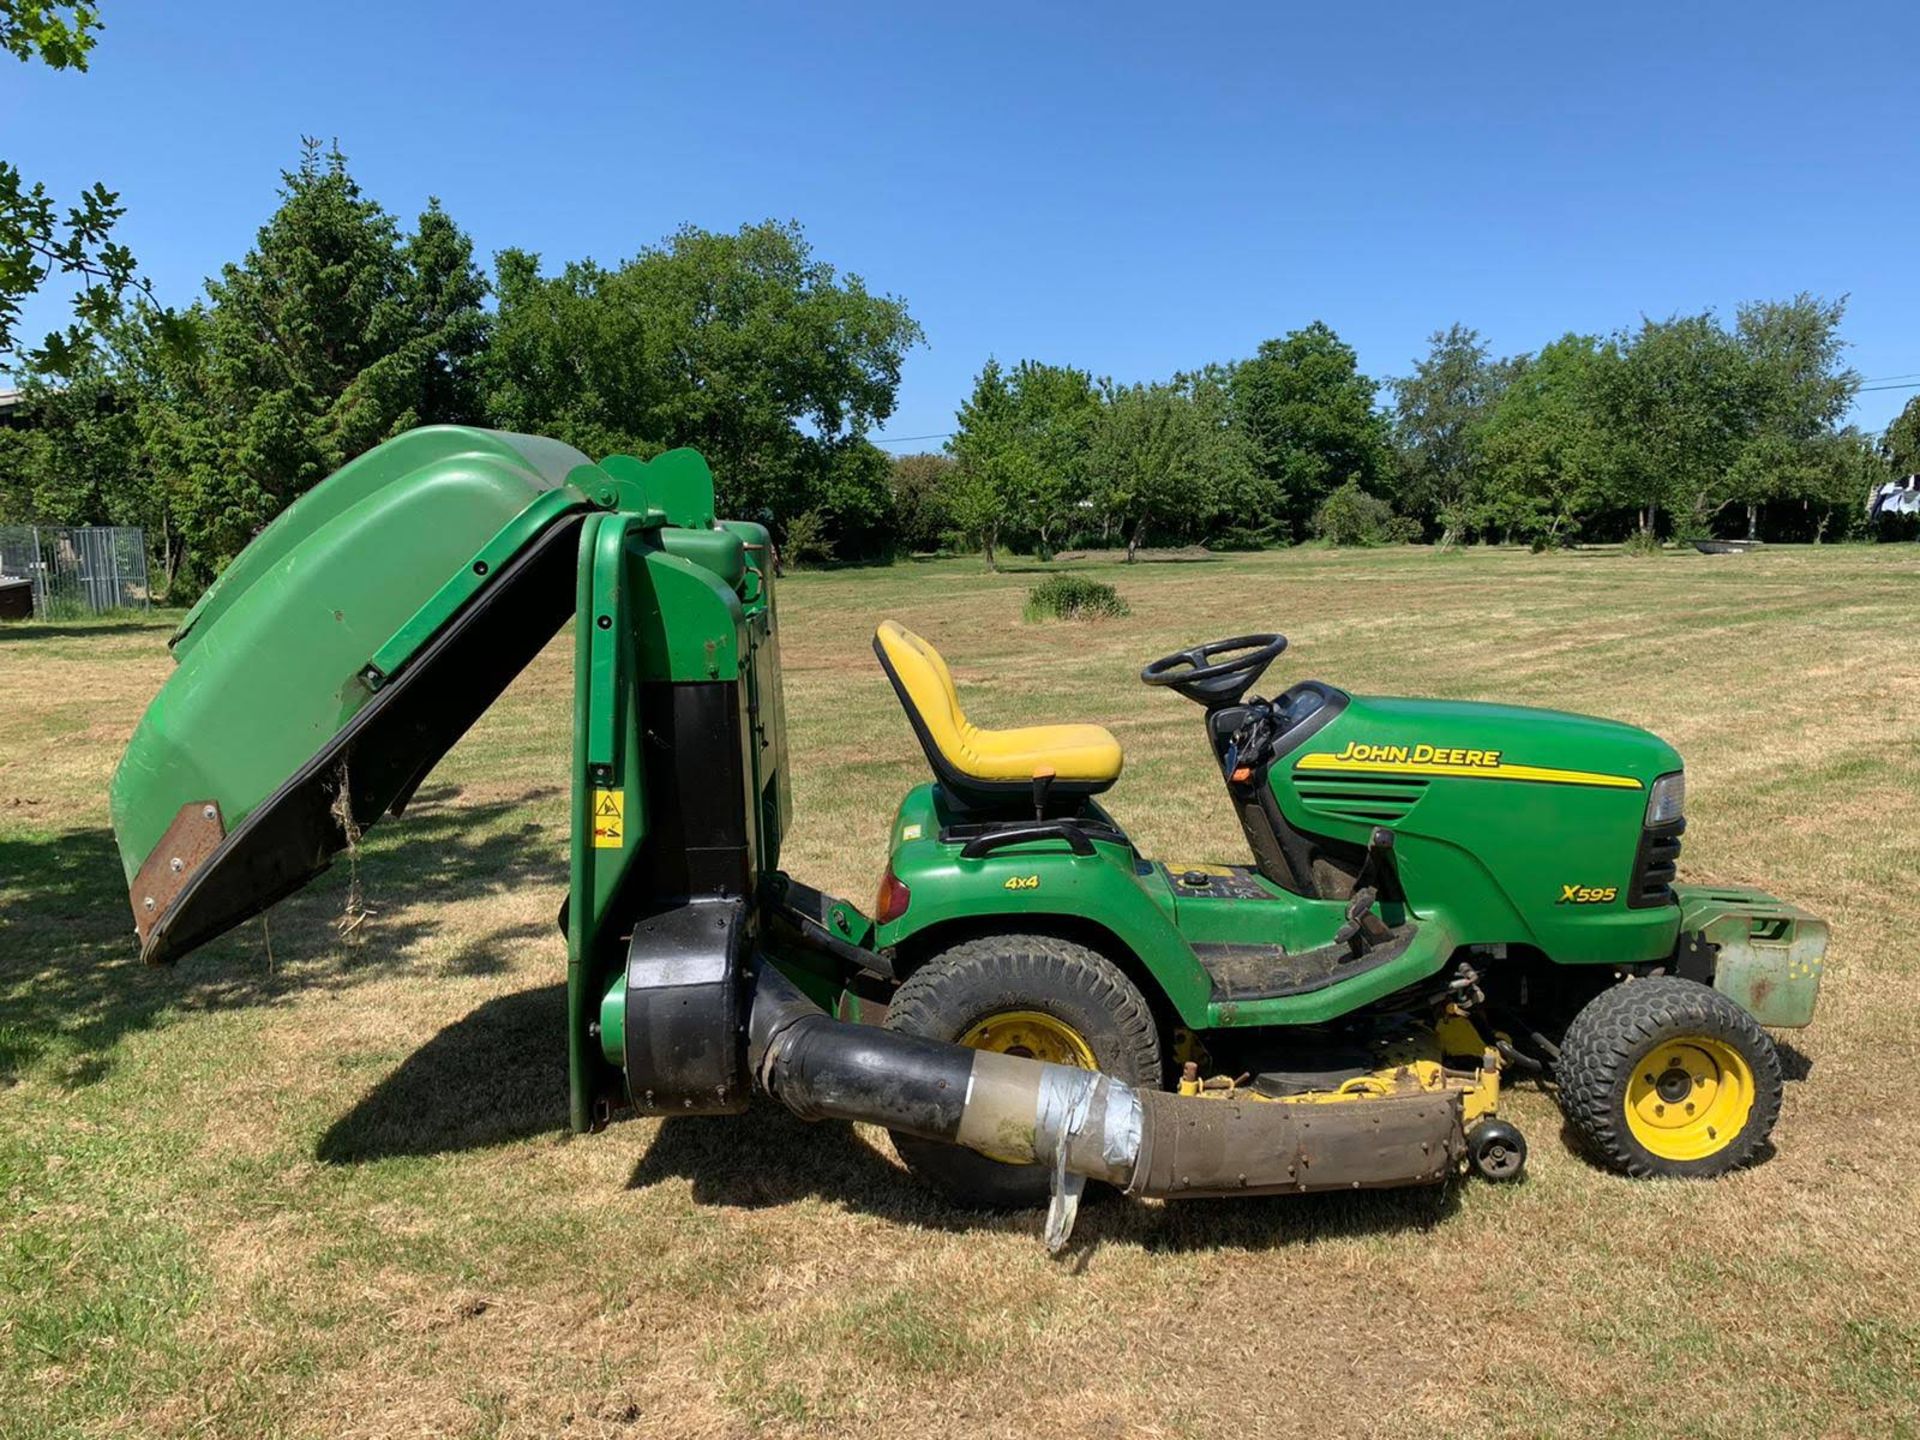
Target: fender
x,y
1115,891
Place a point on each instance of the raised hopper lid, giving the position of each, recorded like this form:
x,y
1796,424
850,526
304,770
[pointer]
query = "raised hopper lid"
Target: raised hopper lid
x,y
337,659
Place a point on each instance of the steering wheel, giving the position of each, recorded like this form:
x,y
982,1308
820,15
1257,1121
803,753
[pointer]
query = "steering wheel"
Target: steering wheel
x,y
1216,675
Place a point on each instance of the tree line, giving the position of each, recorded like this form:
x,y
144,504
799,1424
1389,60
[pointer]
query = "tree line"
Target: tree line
x,y
1683,427
341,327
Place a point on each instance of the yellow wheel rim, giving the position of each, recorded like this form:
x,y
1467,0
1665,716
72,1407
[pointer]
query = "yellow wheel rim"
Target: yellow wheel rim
x,y
1689,1098
1031,1033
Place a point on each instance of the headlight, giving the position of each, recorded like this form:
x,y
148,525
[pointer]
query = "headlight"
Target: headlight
x,y
1667,801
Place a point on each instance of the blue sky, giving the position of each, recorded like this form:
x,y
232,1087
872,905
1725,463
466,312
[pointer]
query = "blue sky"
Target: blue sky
x,y
1134,189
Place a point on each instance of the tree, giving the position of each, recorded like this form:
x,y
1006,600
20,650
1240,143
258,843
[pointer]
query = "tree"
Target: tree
x,y
1439,411
1308,415
1797,393
568,360
1702,418
1675,409
744,345
1164,456
847,485
984,462
1021,447
82,453
333,334
1901,444
922,506
1544,451
60,34
443,290
1351,516
36,242
1030,441
1056,409
78,444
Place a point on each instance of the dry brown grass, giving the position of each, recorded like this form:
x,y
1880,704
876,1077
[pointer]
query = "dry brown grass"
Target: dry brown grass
x,y
332,1195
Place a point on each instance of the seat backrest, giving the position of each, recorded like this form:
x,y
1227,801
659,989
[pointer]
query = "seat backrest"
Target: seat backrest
x,y
926,690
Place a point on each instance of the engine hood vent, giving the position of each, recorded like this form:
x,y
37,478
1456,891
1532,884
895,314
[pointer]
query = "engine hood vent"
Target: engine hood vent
x,y
1368,799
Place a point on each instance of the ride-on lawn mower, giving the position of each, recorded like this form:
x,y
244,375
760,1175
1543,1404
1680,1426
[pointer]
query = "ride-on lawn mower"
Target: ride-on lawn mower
x,y
1442,894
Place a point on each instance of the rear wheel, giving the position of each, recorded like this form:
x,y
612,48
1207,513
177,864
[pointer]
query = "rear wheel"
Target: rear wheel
x,y
1027,995
1665,1076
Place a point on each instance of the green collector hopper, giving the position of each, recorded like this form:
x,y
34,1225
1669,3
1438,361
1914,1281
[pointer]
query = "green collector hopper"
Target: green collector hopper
x,y
334,663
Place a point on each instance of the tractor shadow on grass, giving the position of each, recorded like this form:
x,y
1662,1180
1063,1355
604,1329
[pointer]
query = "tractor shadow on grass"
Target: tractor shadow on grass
x,y
496,1075
1795,1063
60,630
72,985
768,1157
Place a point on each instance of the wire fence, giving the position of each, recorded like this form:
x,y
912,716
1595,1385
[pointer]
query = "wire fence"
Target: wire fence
x,y
77,570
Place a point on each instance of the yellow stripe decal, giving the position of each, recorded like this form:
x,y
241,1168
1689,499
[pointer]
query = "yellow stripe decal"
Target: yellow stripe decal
x,y
1339,764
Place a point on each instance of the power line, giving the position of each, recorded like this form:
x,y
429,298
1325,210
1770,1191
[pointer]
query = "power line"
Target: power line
x,y
909,439
1910,385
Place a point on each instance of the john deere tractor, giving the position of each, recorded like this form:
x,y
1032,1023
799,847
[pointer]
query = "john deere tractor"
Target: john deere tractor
x,y
1436,895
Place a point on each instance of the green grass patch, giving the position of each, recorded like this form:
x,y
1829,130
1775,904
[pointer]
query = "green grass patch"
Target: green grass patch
x,y
330,1191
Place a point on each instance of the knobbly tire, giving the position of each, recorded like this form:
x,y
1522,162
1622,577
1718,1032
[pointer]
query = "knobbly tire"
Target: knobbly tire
x,y
976,980
1617,1069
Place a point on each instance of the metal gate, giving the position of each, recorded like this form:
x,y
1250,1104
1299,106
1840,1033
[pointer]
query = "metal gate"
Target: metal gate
x,y
78,570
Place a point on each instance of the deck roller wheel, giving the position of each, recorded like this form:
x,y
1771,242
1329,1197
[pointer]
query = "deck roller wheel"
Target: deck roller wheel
x,y
1497,1150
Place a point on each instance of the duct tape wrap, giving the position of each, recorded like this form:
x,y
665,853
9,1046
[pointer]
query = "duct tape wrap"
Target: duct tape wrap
x,y
1091,1121
1030,1112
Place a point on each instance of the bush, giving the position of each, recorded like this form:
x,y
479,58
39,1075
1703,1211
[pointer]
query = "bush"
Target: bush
x,y
807,542
1074,597
1350,516
1641,542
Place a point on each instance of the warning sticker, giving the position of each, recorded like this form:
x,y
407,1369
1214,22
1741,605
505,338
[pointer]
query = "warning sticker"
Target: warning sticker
x,y
609,819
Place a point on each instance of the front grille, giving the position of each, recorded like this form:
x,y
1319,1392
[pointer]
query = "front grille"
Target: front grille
x,y
1655,866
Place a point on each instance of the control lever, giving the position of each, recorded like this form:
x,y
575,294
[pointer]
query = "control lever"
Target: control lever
x,y
1363,929
1247,749
1042,788
1377,870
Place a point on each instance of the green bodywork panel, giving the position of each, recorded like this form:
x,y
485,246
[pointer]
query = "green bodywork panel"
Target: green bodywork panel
x,y
1134,902
657,605
1485,851
274,660
1767,955
1494,855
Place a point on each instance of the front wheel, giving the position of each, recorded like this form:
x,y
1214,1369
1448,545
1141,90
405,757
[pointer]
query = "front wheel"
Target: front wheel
x,y
1665,1076
1027,995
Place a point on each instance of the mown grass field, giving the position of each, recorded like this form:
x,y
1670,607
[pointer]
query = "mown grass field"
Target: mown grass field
x,y
307,1184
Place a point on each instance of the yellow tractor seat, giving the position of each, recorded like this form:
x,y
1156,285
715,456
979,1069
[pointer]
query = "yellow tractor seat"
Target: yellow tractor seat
x,y
987,767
